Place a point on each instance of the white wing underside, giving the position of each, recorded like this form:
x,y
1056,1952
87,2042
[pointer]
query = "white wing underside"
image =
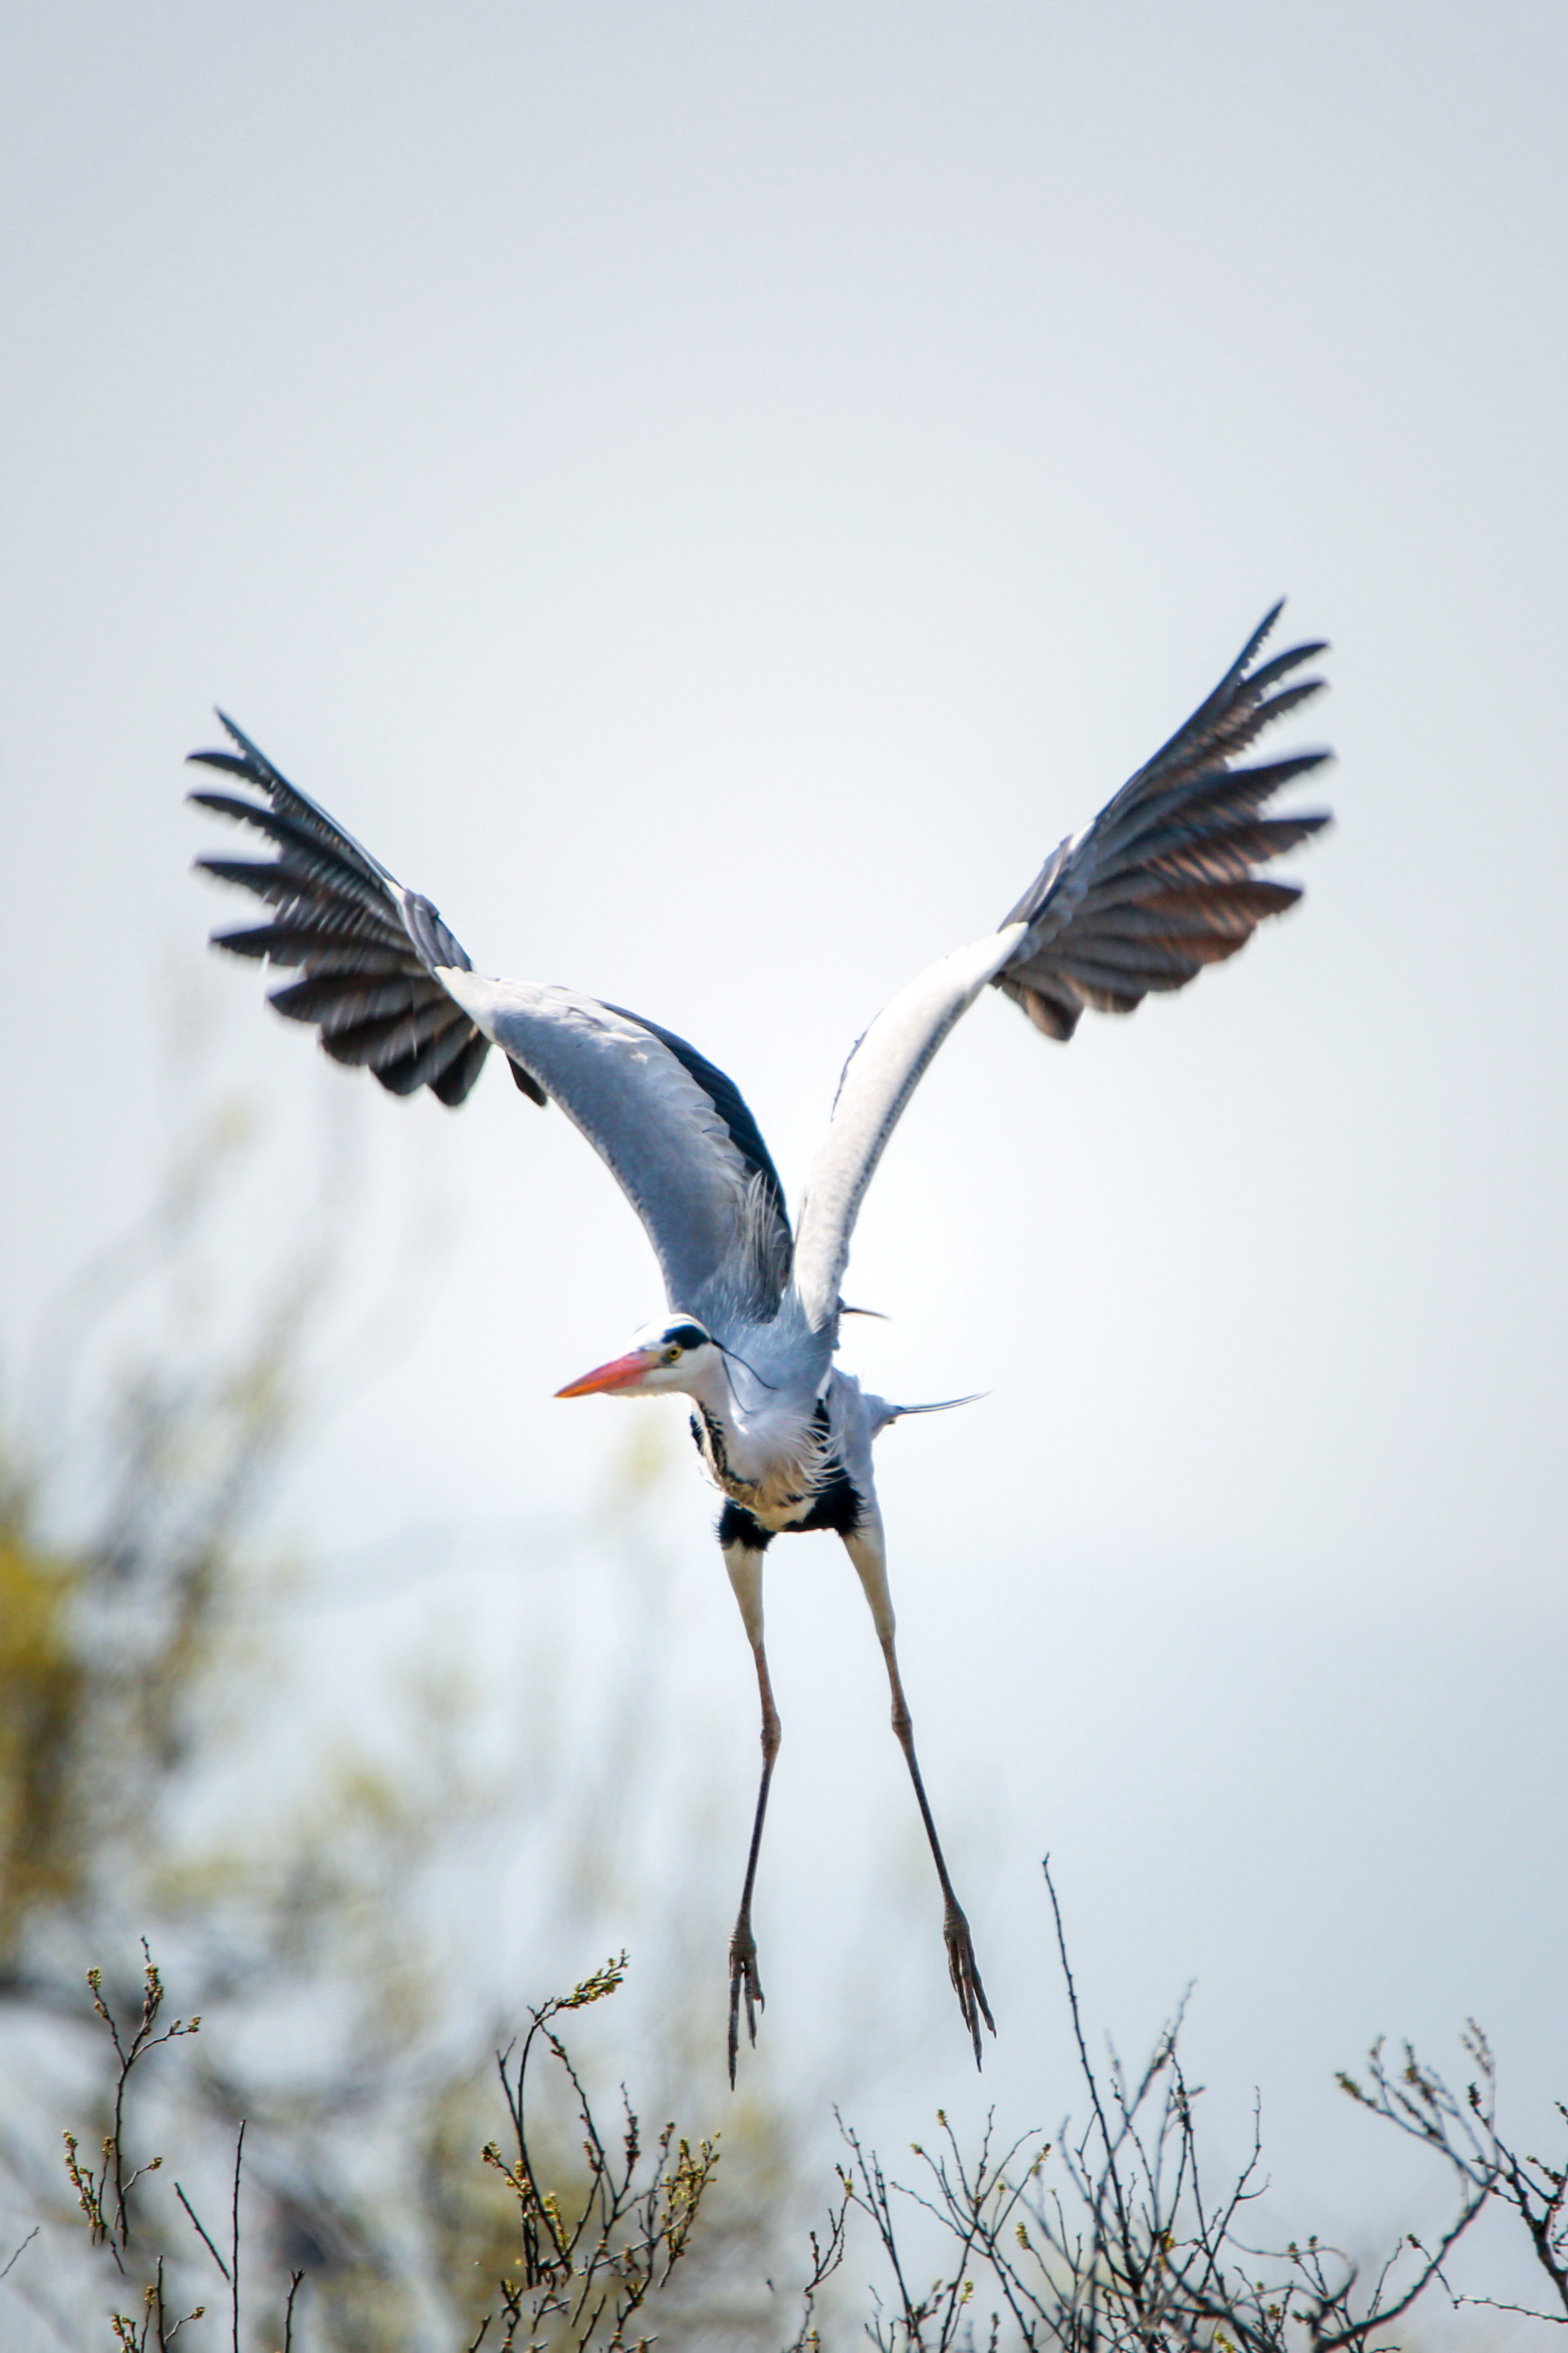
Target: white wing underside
x,y
879,1079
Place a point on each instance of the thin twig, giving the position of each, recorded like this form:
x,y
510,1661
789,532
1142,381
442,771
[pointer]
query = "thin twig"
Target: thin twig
x,y
200,2230
234,2268
21,2250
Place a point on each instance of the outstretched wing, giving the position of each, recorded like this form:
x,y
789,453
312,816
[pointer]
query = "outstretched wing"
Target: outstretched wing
x,y
1162,882
386,985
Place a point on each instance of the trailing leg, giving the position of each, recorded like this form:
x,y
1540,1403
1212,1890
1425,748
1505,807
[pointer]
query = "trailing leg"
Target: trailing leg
x,y
744,1562
866,1550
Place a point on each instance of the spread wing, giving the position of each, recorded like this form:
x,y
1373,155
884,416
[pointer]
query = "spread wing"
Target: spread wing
x,y
1162,883
385,984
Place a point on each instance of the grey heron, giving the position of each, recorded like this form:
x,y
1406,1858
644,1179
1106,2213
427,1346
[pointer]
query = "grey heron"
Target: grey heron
x,y
1164,880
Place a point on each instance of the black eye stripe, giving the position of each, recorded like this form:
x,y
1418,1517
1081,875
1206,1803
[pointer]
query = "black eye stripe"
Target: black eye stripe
x,y
685,1336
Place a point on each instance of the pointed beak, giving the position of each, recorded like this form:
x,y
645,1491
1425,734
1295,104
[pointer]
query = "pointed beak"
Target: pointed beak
x,y
618,1374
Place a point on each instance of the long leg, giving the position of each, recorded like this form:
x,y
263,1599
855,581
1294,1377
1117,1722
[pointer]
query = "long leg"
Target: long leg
x,y
745,1563
866,1550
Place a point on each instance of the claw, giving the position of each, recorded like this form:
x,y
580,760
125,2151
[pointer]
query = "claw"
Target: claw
x,y
964,1971
743,1978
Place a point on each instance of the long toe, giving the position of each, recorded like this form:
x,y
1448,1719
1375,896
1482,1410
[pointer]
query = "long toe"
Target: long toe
x,y
745,1982
964,1971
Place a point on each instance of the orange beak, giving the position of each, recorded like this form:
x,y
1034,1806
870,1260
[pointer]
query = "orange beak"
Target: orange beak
x,y
618,1374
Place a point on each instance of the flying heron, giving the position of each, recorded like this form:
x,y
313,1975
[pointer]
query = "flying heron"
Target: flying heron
x,y
1164,880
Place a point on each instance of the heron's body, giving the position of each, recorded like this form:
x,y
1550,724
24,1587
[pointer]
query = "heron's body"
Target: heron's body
x,y
1162,882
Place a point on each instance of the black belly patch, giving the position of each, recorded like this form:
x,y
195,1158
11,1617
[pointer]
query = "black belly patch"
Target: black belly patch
x,y
835,1507
737,1527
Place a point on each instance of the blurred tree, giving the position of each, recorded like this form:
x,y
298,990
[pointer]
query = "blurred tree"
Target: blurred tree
x,y
147,1789
40,1707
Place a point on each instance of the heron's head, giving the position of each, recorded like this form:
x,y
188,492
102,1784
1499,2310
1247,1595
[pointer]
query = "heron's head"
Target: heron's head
x,y
679,1354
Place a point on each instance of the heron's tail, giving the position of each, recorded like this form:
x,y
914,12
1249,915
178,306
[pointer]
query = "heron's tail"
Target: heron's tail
x,y
883,1413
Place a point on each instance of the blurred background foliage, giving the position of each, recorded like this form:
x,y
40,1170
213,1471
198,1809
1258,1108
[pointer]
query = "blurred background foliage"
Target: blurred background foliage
x,y
330,1880
40,1700
177,1806
163,1775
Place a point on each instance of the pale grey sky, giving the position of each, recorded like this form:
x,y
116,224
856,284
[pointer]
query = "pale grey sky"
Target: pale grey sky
x,y
711,495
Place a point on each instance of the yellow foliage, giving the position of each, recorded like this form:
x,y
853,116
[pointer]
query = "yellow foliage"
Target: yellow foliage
x,y
40,1693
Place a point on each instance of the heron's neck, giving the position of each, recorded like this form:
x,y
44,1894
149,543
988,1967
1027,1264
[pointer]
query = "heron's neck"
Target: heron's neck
x,y
711,1389
760,1432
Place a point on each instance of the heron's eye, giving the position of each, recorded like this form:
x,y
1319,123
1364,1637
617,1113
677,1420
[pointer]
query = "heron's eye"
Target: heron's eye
x,y
672,1356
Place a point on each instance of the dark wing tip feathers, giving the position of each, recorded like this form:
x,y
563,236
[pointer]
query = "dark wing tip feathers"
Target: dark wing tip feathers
x,y
1164,882
337,919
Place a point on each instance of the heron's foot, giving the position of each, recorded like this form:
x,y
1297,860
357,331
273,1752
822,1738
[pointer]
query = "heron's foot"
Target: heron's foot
x,y
964,1971
744,1981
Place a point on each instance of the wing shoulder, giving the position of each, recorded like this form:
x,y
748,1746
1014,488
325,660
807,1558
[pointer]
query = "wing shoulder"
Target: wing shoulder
x,y
675,1132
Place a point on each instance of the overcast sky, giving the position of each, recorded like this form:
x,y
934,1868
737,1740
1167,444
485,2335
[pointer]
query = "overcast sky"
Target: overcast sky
x,y
711,495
